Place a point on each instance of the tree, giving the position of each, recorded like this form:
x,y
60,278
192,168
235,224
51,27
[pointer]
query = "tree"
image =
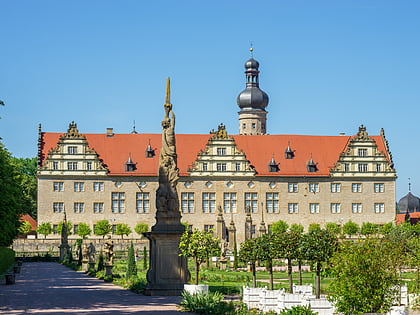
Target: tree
x,y
350,228
279,227
318,246
289,246
102,228
267,249
122,229
386,228
27,168
131,262
44,229
368,228
198,245
298,228
365,276
141,228
248,254
25,227
11,199
60,227
333,228
313,227
84,230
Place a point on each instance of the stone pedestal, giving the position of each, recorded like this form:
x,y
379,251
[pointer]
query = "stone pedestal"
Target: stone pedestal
x,y
168,271
108,270
91,265
64,252
84,265
223,264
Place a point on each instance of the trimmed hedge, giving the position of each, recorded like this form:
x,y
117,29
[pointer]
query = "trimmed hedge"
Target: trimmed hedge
x,y
7,259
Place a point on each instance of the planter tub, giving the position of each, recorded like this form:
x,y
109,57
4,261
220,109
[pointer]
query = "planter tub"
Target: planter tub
x,y
10,278
199,288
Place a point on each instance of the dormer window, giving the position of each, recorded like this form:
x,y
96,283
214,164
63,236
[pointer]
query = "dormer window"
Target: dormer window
x,y
311,166
150,152
72,150
130,166
273,166
289,153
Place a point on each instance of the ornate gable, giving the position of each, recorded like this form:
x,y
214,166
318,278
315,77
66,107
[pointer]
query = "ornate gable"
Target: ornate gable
x,y
221,157
72,156
363,158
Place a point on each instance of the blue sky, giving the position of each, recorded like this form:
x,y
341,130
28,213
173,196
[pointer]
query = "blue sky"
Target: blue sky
x,y
327,66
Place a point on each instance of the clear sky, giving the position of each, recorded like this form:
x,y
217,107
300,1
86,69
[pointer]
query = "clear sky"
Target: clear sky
x,y
327,66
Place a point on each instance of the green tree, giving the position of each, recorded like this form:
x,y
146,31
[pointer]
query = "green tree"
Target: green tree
x,y
84,230
279,227
200,246
313,227
44,229
333,228
267,249
25,227
368,228
298,228
11,198
69,227
365,277
102,228
289,247
27,168
122,229
318,246
248,253
141,228
350,228
386,228
131,262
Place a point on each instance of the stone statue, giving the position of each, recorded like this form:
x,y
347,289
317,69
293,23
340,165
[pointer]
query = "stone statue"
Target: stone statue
x,y
84,253
64,232
109,251
166,195
91,253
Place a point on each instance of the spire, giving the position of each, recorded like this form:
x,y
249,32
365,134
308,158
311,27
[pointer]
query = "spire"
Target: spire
x,y
134,128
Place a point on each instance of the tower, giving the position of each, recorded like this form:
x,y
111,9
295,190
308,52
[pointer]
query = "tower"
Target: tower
x,y
252,101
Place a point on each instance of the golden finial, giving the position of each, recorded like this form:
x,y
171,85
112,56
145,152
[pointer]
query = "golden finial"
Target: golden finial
x,y
168,91
252,51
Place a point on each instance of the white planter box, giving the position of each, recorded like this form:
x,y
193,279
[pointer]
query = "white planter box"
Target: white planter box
x,y
199,288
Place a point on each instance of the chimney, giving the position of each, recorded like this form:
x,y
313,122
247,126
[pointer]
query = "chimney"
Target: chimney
x,y
109,132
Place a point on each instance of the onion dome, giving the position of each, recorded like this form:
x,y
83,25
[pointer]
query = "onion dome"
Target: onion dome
x,y
252,98
409,203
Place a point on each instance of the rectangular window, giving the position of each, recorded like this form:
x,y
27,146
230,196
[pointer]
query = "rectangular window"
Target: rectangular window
x,y
292,187
356,207
55,229
72,166
221,167
118,202
253,231
142,202
205,167
98,207
75,228
229,202
79,207
378,168
313,187
58,207
209,228
363,167
379,207
237,167
55,166
187,202
58,186
356,187
89,166
221,151
292,208
314,207
254,125
209,202
72,150
335,187
98,186
272,202
378,187
113,228
79,186
346,167
362,152
335,208
251,202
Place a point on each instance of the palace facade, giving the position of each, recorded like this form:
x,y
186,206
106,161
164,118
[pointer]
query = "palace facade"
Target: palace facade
x,y
238,184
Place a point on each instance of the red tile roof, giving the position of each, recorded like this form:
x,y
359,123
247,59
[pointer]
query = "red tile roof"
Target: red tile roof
x,y
28,218
414,217
259,149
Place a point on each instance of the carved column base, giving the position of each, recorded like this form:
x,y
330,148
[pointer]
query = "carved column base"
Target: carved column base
x,y
168,271
64,252
108,270
91,265
84,266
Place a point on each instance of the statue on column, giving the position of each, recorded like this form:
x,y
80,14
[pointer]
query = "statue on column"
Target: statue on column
x,y
109,252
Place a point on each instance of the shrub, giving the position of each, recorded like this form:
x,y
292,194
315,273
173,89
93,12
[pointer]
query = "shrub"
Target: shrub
x,y
205,303
101,263
7,259
298,310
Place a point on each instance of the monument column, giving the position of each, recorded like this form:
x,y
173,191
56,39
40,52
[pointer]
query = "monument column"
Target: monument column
x,y
168,270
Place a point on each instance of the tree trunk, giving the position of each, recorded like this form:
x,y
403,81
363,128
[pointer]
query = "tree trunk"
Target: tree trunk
x,y
318,280
270,269
254,275
300,271
289,274
197,270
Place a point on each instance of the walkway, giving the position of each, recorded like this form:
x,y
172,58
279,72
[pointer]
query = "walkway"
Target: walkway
x,y
50,288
